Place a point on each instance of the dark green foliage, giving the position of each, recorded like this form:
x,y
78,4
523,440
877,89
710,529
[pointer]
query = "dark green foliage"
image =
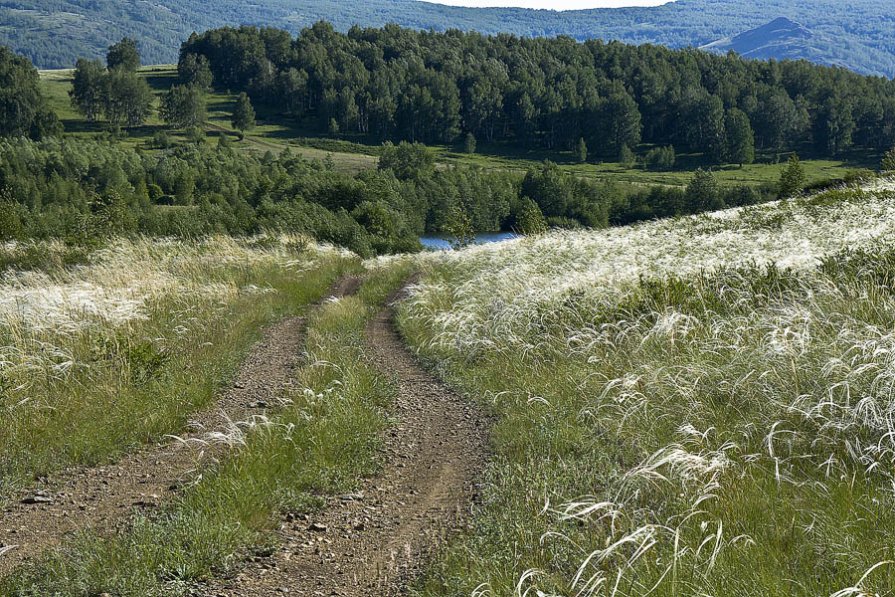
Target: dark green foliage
x,y
118,95
11,227
626,156
701,195
581,151
194,70
530,219
128,98
184,106
53,33
89,89
23,110
703,192
408,161
792,181
888,163
243,113
469,143
560,195
660,158
161,140
196,135
836,128
459,227
398,84
740,148
82,190
124,55
621,118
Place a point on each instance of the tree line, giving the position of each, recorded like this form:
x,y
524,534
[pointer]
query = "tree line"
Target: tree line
x,y
400,84
81,189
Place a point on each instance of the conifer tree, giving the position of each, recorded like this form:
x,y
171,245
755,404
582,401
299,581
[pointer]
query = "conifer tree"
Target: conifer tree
x,y
792,181
243,113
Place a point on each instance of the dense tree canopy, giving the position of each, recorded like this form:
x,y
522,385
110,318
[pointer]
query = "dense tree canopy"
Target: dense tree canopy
x,y
184,106
243,113
400,84
124,55
128,98
23,109
118,93
54,33
194,71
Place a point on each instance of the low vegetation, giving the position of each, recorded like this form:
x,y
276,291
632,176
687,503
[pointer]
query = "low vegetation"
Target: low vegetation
x,y
98,359
324,438
687,358
698,406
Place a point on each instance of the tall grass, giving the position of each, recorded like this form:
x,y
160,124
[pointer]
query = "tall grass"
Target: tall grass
x,y
325,439
700,407
98,358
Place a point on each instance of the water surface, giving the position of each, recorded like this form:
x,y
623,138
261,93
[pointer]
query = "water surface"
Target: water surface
x,y
443,243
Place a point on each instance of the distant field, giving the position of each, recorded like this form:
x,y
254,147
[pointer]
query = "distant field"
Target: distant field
x,y
753,174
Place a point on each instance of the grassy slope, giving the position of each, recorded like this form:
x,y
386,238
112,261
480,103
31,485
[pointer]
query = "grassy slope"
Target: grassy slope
x,y
762,172
267,136
720,432
321,443
103,377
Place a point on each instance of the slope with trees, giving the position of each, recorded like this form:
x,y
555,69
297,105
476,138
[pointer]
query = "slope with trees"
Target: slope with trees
x,y
54,33
399,84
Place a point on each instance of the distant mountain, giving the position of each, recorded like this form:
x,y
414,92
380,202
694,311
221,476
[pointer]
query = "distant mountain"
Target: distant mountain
x,y
782,38
859,34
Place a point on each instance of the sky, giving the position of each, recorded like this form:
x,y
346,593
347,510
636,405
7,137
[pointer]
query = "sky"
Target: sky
x,y
553,4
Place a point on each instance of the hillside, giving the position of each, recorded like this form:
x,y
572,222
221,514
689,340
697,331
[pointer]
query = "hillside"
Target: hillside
x,y
53,33
677,403
781,38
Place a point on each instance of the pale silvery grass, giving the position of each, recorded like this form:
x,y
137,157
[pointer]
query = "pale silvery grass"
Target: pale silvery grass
x,y
113,323
743,415
511,285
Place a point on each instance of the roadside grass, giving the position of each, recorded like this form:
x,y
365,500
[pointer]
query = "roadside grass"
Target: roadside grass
x,y
323,442
47,256
123,350
722,428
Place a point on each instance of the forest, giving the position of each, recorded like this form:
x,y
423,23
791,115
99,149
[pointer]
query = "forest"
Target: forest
x,y
399,84
81,189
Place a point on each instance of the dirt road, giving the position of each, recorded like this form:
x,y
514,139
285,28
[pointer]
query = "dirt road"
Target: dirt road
x,y
102,498
371,543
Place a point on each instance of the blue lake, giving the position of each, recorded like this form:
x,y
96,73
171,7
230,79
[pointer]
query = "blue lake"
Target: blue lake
x,y
443,243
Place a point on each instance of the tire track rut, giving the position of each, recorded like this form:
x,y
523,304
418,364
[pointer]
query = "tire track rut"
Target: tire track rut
x,y
373,542
104,498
